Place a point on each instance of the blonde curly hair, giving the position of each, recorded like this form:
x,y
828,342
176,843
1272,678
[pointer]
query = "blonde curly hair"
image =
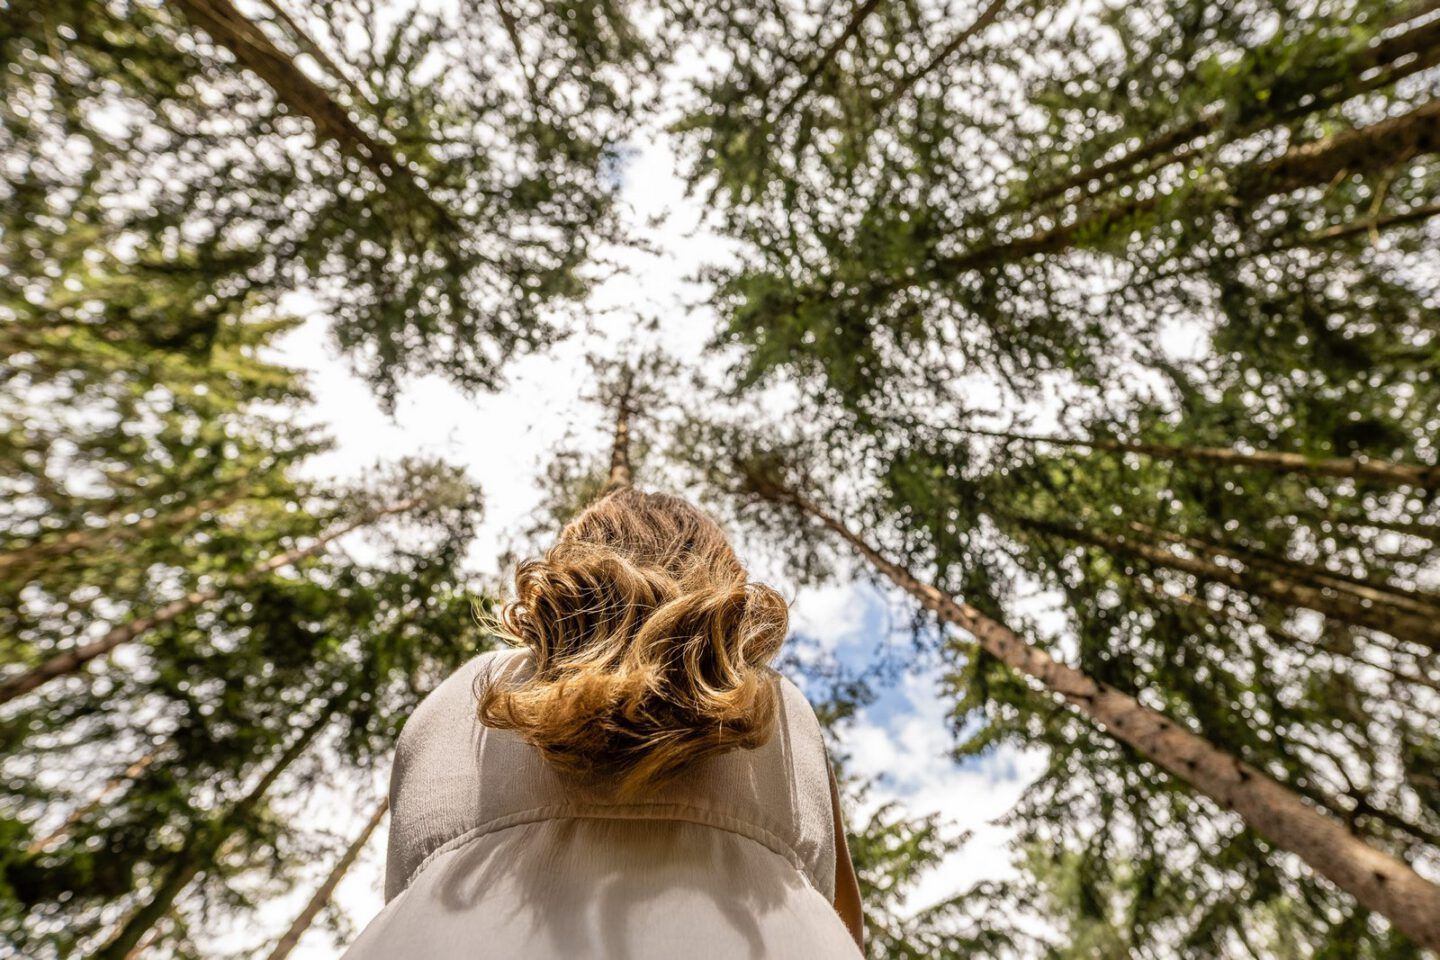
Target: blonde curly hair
x,y
650,645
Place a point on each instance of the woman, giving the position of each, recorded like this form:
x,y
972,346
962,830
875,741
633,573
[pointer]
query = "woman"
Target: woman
x,y
633,781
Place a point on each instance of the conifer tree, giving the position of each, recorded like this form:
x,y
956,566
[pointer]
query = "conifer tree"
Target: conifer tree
x,y
1020,232
376,635
1214,670
431,211
322,896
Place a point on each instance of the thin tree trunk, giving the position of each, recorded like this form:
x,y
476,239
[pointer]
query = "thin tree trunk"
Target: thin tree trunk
x,y
79,813
987,16
1377,880
150,940
1378,471
1370,225
1364,588
327,889
827,56
620,473
27,557
307,44
1167,147
1412,11
63,664
512,31
202,846
1419,530
1286,638
231,29
1380,145
1403,625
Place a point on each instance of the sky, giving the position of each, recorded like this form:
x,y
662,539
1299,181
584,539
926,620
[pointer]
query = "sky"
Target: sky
x,y
902,740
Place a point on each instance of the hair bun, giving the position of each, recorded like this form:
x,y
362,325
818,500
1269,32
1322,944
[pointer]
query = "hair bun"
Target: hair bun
x,y
650,646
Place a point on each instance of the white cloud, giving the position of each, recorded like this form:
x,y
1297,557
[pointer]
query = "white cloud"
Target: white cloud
x,y
909,751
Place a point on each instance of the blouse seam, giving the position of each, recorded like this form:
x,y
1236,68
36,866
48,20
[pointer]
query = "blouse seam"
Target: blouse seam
x,y
685,813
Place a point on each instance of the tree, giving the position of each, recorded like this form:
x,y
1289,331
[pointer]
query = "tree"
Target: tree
x,y
72,661
186,540
327,888
630,391
1377,880
891,849
888,248
1279,461
1025,234
204,845
434,214
220,689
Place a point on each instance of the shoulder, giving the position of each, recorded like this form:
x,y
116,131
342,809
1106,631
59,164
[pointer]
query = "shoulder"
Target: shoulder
x,y
790,690
794,699
797,714
454,700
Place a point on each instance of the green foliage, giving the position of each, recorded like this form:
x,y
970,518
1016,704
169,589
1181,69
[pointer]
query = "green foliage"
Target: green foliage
x,y
239,194
1176,224
1181,235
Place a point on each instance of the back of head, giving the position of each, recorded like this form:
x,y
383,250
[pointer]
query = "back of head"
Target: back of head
x,y
650,645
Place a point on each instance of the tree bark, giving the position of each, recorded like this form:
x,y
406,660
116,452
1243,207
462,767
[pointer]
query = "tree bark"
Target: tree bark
x,y
1377,880
1419,628
1380,145
1322,644
1371,225
28,556
1417,44
1363,588
1412,11
1377,471
827,56
203,845
1417,529
322,896
620,473
987,16
79,813
307,44
63,664
512,31
230,28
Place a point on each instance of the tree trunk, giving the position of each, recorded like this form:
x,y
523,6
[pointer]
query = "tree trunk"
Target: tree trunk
x,y
231,29
150,940
620,472
70,661
202,846
1423,629
1322,644
307,43
327,889
1377,471
987,16
28,556
1378,146
1166,148
79,813
827,56
1412,11
1371,225
1417,529
1363,588
1377,880
512,31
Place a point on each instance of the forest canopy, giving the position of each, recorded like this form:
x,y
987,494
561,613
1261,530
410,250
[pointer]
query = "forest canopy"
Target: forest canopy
x,y
1101,339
